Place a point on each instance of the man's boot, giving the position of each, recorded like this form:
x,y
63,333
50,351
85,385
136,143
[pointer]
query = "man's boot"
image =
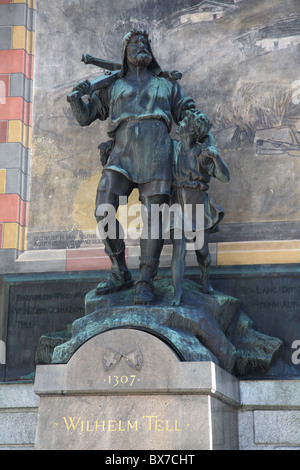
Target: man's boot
x,y
119,276
144,288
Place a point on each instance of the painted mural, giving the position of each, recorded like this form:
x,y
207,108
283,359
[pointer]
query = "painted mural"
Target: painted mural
x,y
240,62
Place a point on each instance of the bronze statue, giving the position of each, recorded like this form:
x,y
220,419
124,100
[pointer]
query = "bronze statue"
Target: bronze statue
x,y
195,161
140,100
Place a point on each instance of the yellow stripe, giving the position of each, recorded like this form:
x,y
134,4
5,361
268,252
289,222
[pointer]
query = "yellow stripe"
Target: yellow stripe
x,y
30,3
249,253
23,39
2,181
14,236
19,132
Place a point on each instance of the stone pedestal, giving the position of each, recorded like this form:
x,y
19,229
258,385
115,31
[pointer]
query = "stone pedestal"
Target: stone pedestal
x,y
126,389
203,328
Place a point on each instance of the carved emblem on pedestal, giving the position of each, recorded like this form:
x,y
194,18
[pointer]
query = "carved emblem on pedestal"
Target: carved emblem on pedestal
x,y
133,358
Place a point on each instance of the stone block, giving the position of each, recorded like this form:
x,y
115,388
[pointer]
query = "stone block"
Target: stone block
x,y
20,86
17,428
126,389
271,394
18,416
31,261
18,395
280,427
8,259
246,430
269,417
17,14
5,37
14,155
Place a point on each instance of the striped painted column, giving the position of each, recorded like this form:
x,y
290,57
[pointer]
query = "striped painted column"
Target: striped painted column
x,y
17,19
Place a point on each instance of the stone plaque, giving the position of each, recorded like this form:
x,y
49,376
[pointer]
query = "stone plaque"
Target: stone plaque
x,y
37,307
63,240
126,389
271,297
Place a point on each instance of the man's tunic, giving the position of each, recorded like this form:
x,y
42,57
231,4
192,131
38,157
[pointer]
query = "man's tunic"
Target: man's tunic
x,y
139,120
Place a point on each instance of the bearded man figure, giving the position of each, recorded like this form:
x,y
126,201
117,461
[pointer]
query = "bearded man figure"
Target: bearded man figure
x,y
139,105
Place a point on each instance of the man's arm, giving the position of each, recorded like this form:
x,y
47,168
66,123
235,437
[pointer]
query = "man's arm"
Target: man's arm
x,y
86,113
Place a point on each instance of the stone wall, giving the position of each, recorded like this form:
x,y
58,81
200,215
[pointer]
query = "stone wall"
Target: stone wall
x,y
17,39
269,416
227,68
18,416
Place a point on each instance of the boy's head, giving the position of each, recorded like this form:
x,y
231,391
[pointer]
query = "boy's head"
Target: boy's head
x,y
195,125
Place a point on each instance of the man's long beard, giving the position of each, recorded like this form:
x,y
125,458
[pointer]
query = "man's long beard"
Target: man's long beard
x,y
142,59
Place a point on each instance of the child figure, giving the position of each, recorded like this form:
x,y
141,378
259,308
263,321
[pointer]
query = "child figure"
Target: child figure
x,y
195,160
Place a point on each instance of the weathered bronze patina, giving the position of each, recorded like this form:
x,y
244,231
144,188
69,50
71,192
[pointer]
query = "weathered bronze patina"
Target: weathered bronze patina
x,y
194,164
140,102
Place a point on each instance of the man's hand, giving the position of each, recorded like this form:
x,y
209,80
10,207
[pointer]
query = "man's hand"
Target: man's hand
x,y
84,86
86,58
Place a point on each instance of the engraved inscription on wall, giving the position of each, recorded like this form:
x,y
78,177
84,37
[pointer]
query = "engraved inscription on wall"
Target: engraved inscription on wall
x,y
35,309
150,423
273,303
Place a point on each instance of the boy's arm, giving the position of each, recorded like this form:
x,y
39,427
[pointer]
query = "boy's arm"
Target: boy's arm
x,y
213,160
208,140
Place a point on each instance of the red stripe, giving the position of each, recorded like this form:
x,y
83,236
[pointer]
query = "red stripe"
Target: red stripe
x,y
87,260
16,108
4,86
3,131
5,2
17,61
86,253
13,209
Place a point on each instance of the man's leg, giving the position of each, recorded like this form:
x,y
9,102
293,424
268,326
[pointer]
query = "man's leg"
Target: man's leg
x,y
119,277
204,262
151,248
